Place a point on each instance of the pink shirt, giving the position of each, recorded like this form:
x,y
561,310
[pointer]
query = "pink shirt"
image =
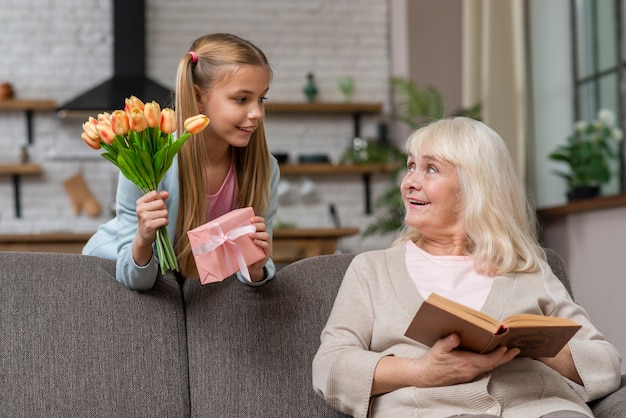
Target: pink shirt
x,y
225,199
453,277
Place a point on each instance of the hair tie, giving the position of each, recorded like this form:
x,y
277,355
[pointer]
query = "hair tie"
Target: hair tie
x,y
194,56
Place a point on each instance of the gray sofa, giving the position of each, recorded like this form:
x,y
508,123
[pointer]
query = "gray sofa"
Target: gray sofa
x,y
75,343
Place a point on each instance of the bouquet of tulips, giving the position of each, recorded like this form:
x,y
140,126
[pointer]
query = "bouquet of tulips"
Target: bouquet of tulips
x,y
140,141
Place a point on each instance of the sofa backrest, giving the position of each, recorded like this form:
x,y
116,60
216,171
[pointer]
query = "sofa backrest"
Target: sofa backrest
x,y
251,348
76,343
558,268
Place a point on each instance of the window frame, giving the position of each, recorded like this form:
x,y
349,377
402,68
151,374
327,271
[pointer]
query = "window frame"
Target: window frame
x,y
596,76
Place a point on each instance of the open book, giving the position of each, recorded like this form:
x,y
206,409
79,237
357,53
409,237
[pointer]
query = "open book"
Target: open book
x,y
534,335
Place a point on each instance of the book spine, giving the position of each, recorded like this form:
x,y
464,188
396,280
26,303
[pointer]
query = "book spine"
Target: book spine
x,y
493,343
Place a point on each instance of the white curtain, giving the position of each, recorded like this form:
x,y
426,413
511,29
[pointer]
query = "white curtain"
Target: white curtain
x,y
494,69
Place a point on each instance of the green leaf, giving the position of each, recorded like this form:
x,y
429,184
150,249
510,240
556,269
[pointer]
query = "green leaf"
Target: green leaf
x,y
146,164
129,171
134,162
110,148
158,162
173,148
110,157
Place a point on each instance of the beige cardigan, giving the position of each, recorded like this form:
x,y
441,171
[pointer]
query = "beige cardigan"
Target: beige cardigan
x,y
374,306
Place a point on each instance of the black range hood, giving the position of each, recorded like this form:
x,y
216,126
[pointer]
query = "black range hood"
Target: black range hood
x,y
129,60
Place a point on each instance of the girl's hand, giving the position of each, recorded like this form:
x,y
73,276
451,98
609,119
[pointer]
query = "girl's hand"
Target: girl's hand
x,y
151,215
261,238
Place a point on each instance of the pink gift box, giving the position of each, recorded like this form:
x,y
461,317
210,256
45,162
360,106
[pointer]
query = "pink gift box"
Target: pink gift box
x,y
222,246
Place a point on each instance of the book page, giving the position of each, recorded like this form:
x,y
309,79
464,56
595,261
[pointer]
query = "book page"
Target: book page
x,y
529,320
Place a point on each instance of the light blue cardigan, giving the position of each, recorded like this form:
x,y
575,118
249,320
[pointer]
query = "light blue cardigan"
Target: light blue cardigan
x,y
113,240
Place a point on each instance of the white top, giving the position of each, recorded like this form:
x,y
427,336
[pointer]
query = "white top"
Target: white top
x,y
453,277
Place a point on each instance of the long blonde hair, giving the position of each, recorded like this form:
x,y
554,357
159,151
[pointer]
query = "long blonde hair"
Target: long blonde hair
x,y
216,54
499,219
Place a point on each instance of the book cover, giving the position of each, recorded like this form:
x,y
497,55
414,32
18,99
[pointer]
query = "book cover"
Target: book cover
x,y
534,335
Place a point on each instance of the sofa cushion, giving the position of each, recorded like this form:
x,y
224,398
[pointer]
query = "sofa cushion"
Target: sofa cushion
x,y
74,342
251,348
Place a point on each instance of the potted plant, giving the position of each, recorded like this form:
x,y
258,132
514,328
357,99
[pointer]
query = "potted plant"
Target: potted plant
x,y
589,152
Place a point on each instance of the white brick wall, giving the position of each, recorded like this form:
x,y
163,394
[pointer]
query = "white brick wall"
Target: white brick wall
x,y
56,49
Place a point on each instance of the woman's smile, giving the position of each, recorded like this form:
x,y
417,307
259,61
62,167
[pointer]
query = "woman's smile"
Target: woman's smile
x,y
416,202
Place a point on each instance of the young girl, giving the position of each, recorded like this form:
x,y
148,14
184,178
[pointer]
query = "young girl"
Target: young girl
x,y
226,166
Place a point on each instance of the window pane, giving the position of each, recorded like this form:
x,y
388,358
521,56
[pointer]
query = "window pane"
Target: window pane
x,y
599,65
621,24
587,99
584,37
606,35
608,93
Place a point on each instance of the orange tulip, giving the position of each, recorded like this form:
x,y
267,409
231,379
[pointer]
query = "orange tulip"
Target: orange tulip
x,y
93,143
106,133
137,120
133,103
104,118
196,124
168,123
119,122
89,129
152,111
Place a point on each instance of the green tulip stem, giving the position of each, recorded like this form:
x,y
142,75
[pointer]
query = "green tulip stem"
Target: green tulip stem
x,y
165,251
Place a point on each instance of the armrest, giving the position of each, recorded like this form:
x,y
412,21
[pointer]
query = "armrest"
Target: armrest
x,y
612,405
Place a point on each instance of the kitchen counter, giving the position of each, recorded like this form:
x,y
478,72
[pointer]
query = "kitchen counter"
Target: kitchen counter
x,y
292,244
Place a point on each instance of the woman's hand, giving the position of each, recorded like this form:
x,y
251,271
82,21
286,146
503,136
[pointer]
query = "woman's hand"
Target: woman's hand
x,y
151,215
448,366
261,238
442,365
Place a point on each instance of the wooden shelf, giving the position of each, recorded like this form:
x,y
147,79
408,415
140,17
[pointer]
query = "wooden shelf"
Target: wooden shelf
x,y
579,206
270,107
53,237
328,169
335,169
54,242
27,104
339,108
319,107
355,109
17,170
281,233
20,169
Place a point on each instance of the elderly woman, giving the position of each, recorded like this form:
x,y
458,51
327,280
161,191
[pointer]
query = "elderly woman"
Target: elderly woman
x,y
469,236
